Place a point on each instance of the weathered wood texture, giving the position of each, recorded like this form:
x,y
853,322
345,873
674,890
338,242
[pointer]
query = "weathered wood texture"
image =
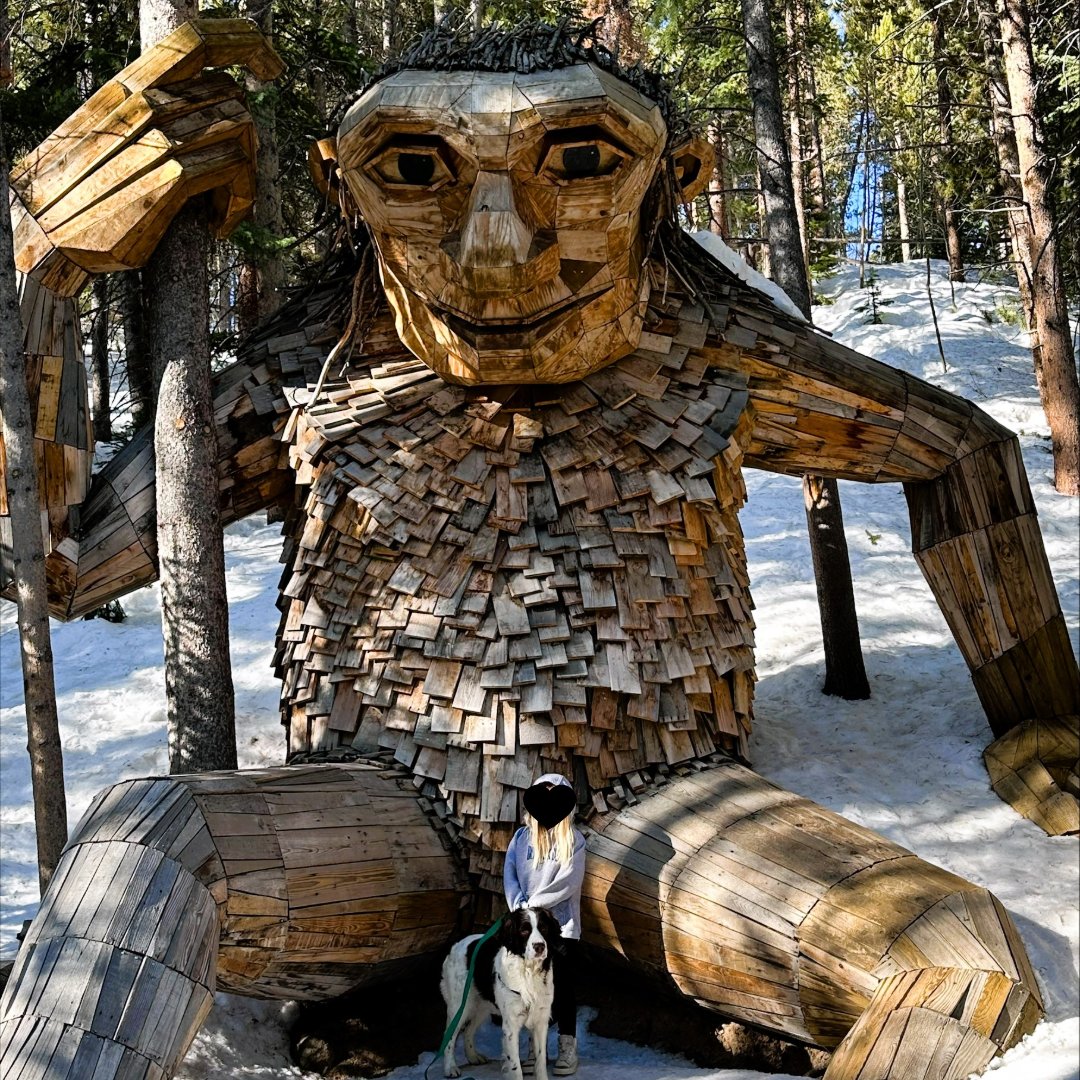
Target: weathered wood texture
x,y
977,540
483,582
560,580
108,545
765,907
98,193
96,196
306,881
291,883
556,578
1034,767
56,380
536,267
117,969
492,585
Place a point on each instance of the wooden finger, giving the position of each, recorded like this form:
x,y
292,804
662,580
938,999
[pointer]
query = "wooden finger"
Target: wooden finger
x,y
215,123
134,161
1033,770
200,44
223,122
36,256
231,204
121,229
119,232
82,122
64,161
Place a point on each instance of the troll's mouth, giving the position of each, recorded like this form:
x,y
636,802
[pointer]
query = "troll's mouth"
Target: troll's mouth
x,y
471,330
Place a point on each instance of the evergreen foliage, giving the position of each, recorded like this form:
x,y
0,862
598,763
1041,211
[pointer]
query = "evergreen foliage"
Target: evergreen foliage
x,y
864,73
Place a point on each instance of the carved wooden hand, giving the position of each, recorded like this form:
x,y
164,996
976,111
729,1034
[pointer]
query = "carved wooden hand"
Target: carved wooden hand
x,y
98,194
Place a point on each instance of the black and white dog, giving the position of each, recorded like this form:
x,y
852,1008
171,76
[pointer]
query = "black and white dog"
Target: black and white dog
x,y
513,977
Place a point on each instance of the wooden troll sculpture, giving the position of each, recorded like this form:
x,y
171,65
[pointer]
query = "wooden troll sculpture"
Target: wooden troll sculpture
x,y
514,548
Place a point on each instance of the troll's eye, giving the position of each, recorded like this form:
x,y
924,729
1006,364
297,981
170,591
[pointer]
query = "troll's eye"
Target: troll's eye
x,y
582,159
416,167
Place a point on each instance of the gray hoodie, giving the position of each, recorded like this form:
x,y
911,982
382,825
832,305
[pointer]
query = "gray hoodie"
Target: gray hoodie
x,y
549,884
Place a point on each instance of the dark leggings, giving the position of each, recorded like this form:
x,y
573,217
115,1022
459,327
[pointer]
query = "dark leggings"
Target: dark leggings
x,y
564,1008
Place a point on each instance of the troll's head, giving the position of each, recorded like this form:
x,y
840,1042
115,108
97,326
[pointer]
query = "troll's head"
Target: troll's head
x,y
513,185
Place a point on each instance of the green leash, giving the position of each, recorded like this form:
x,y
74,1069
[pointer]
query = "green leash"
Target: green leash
x,y
451,1028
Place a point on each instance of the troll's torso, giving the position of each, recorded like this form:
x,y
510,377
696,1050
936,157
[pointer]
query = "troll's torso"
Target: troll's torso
x,y
492,583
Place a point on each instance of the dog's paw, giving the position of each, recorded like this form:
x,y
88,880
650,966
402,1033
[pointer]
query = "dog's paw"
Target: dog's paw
x,y
451,1072
476,1058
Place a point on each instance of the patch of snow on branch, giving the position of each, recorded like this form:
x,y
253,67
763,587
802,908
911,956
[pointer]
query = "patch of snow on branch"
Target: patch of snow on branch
x,y
731,260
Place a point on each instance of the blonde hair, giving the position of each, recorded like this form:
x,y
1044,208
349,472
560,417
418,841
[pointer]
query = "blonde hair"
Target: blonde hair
x,y
558,839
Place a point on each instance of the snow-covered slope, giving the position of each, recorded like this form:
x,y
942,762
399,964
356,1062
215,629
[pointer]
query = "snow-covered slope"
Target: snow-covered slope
x,y
905,763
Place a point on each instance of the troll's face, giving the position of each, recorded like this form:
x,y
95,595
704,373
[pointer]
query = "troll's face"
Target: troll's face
x,y
507,213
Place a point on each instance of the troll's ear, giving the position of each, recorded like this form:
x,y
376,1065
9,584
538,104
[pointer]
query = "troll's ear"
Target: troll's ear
x,y
693,161
324,169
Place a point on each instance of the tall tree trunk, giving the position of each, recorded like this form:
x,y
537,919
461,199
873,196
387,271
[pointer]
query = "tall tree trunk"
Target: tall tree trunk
x,y
194,610
718,195
221,320
764,257
773,161
845,675
864,213
262,274
1004,135
948,179
862,136
901,202
28,564
818,203
137,361
99,354
795,104
1055,363
6,75
389,11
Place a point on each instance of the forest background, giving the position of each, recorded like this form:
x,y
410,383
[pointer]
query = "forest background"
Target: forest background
x,y
898,115
913,132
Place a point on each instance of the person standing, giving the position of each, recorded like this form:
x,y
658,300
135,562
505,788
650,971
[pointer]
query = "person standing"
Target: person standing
x,y
544,868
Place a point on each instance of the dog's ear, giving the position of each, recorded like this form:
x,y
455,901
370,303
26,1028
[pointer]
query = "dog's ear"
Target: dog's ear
x,y
508,930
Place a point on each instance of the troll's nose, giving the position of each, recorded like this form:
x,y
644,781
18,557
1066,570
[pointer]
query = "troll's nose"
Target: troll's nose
x,y
493,233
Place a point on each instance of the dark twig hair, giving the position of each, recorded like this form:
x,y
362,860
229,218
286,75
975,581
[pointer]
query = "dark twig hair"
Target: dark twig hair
x,y
530,46
526,47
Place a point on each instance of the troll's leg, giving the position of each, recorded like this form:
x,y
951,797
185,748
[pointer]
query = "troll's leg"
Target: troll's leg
x,y
772,910
300,882
976,537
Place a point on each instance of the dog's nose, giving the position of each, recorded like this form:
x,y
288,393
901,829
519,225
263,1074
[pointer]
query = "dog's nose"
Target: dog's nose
x,y
539,948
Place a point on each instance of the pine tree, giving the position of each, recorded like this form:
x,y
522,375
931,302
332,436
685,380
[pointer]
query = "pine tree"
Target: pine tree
x,y
28,558
262,270
1055,363
845,675
194,609
99,366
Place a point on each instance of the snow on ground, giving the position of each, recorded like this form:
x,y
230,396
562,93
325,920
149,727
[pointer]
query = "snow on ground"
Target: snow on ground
x,y
906,762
